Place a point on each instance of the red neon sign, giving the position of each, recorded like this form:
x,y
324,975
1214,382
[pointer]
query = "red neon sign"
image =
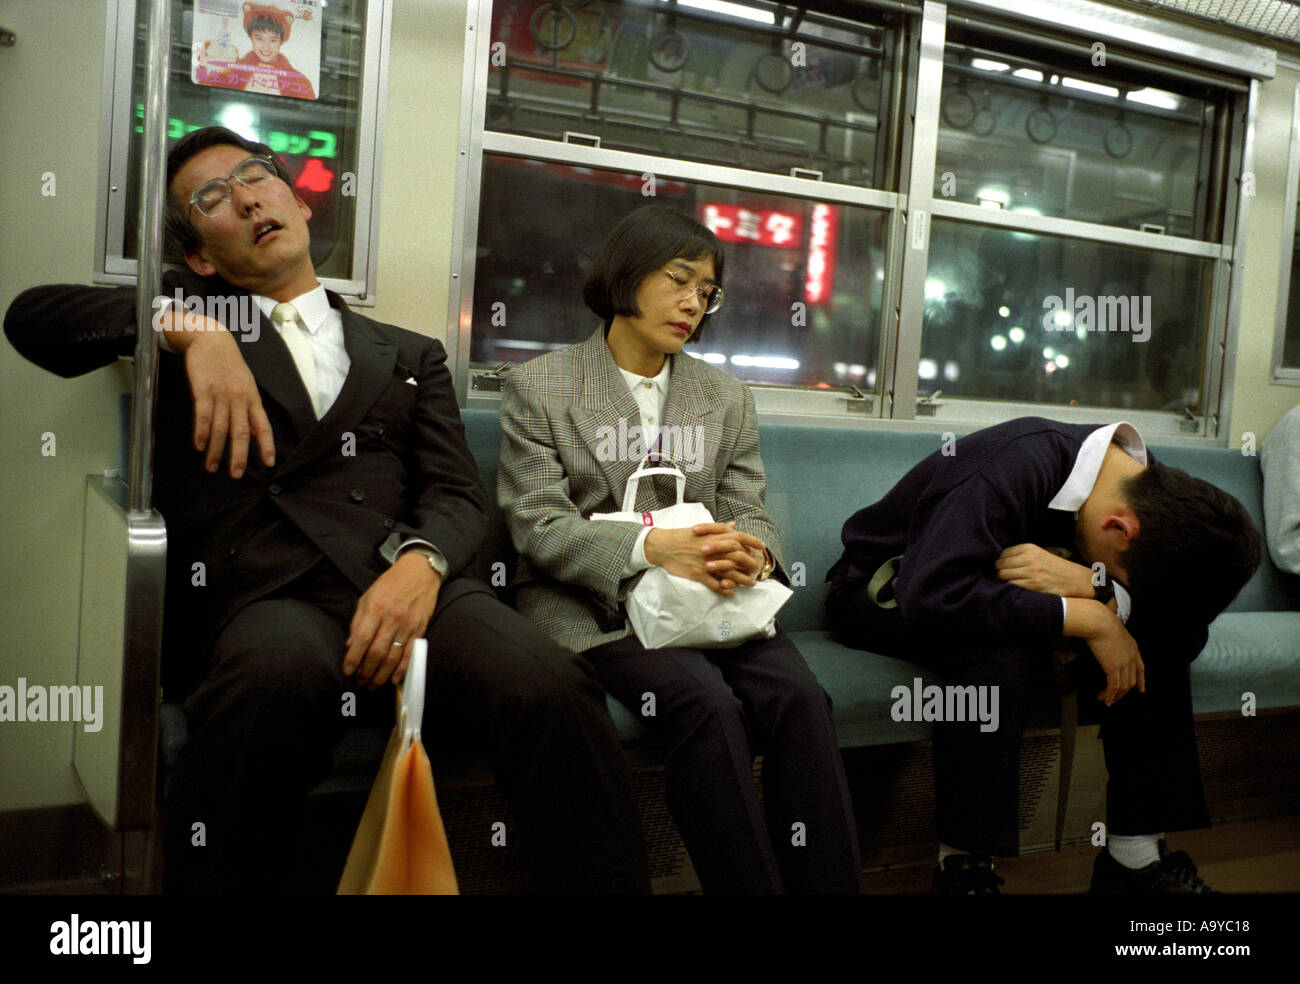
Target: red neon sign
x,y
821,253
762,226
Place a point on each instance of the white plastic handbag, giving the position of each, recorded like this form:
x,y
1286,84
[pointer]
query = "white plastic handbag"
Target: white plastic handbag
x,y
667,610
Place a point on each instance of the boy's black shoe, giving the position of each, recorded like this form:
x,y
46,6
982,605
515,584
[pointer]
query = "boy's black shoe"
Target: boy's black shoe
x,y
1173,874
966,874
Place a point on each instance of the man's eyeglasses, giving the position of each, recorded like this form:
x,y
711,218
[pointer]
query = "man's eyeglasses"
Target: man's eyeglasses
x,y
710,296
211,195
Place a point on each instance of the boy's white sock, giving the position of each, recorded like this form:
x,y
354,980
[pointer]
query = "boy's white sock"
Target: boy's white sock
x,y
1136,851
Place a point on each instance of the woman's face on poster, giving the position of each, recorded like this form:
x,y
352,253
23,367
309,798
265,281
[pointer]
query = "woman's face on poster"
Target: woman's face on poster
x,y
266,44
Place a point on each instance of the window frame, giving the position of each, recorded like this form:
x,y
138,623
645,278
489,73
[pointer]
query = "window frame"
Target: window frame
x,y
1283,374
116,120
1182,50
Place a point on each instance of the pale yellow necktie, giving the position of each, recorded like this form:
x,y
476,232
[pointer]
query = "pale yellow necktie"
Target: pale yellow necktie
x,y
294,333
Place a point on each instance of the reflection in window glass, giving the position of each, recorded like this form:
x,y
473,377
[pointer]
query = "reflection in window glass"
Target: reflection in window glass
x,y
1063,138
1015,316
803,279
692,84
317,139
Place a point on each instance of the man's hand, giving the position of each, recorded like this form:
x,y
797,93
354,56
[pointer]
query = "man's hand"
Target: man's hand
x,y
716,554
1112,646
226,401
396,609
1029,566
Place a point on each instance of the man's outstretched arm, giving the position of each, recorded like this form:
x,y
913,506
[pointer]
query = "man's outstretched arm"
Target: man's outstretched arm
x,y
70,329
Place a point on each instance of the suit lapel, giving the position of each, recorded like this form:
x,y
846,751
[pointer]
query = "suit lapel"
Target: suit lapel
x,y
372,362
693,409
694,412
272,365
605,400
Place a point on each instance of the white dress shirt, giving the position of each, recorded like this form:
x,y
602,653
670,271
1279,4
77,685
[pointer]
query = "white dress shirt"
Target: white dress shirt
x,y
325,328
651,395
1083,477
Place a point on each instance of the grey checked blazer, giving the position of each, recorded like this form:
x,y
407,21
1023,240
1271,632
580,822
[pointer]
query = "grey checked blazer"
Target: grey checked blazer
x,y
569,579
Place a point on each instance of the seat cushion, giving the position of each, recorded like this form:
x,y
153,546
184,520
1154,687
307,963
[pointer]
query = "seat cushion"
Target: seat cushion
x,y
1255,652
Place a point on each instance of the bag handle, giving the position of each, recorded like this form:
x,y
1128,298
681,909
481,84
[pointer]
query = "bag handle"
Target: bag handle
x,y
412,694
629,493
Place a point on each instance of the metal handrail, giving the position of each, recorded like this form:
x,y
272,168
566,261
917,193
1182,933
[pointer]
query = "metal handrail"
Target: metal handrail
x,y
153,168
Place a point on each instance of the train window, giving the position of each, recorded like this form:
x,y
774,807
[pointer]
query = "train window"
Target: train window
x,y
1043,319
1286,343
804,277
1042,132
751,84
326,134
1034,206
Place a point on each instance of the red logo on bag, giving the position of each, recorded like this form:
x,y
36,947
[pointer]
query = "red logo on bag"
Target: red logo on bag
x,y
647,519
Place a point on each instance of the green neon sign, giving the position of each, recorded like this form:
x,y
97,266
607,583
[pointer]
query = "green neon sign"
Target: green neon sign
x,y
317,143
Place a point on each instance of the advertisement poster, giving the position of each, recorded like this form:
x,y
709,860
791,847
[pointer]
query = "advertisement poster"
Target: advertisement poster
x,y
271,48
535,33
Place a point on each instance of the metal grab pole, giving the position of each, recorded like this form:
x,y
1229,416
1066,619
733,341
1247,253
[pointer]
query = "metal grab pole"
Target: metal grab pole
x,y
153,168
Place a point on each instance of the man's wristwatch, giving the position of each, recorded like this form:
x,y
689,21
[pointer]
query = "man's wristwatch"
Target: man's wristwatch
x,y
1103,592
435,559
768,567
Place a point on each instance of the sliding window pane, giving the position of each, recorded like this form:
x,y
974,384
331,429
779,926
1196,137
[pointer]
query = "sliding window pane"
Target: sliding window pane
x,y
318,139
803,279
1034,318
720,85
1045,134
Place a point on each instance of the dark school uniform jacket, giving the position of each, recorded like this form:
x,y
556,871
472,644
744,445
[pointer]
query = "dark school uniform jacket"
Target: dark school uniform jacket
x,y
951,516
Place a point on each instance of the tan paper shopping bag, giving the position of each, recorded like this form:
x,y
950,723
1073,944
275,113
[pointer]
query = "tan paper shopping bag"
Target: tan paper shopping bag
x,y
401,846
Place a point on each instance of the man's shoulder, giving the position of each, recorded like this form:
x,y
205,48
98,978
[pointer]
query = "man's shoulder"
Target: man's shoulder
x,y
1027,449
1030,429
406,340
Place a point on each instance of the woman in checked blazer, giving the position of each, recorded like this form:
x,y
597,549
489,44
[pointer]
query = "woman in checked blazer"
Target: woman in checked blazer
x,y
570,420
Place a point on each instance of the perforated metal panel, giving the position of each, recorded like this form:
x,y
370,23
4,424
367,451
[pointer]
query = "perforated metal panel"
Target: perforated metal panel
x,y
1277,19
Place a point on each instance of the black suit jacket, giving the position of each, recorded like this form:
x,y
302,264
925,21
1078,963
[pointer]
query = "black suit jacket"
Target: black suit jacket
x,y
951,516
388,459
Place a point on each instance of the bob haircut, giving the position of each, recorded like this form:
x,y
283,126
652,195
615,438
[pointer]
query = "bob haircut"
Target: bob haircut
x,y
181,236
640,244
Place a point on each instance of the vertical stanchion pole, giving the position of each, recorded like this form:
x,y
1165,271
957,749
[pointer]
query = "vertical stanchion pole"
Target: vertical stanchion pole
x,y
153,165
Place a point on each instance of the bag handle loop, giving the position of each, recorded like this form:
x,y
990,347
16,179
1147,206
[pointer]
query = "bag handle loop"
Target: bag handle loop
x,y
629,493
412,705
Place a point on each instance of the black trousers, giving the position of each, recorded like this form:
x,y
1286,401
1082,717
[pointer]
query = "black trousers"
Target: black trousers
x,y
1149,739
264,721
712,711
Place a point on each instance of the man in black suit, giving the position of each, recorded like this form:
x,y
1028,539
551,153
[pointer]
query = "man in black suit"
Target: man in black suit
x,y
950,569
305,572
